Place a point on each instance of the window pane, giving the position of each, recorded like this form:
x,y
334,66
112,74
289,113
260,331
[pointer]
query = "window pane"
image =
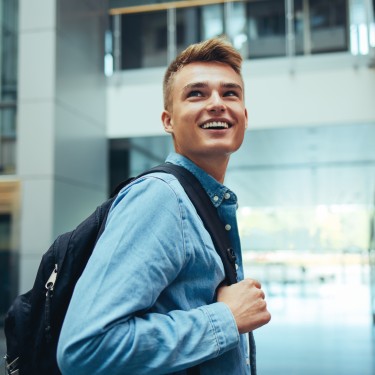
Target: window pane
x,y
194,24
328,21
187,27
266,28
144,40
321,26
212,20
131,156
236,27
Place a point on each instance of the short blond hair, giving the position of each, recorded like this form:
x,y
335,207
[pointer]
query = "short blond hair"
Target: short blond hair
x,y
215,49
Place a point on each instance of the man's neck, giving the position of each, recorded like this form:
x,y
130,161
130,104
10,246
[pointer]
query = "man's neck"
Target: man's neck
x,y
215,166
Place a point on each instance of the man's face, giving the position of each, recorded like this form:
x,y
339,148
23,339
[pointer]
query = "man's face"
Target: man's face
x,y
207,115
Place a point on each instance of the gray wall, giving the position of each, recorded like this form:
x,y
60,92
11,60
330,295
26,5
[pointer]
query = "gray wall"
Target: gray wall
x,y
62,156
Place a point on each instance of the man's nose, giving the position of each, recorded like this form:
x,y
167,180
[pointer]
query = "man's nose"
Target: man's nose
x,y
216,103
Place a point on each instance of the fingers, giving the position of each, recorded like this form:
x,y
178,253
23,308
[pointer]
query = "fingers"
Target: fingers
x,y
246,300
253,282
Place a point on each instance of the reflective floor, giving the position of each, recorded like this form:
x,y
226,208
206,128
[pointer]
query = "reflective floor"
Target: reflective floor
x,y
319,326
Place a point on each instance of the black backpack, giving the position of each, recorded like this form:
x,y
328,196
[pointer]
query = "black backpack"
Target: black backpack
x,y
33,323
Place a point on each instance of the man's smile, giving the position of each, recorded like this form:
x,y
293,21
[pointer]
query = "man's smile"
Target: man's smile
x,y
217,125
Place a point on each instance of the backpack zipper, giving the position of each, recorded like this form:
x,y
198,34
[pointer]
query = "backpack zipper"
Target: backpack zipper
x,y
51,280
47,307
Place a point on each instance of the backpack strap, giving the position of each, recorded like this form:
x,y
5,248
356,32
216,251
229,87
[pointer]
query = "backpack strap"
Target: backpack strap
x,y
209,215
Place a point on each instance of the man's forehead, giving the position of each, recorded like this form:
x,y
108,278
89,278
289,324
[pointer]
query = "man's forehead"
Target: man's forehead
x,y
202,73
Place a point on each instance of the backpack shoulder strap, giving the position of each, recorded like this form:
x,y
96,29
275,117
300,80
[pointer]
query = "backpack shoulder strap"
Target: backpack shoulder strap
x,y
209,215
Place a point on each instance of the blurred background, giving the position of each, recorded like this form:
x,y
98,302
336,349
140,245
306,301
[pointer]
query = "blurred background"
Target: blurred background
x,y
80,105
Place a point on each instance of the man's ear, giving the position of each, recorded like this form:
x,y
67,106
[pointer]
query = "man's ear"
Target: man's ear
x,y
166,118
246,118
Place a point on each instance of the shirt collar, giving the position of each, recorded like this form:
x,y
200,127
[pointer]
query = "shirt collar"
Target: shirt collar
x,y
215,190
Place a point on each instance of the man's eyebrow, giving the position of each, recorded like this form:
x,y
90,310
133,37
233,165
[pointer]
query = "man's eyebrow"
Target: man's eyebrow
x,y
201,85
230,85
195,85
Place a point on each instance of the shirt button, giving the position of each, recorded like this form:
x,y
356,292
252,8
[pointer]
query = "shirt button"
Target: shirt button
x,y
216,198
237,266
226,195
228,227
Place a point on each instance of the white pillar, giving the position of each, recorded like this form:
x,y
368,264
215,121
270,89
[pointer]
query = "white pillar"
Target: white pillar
x,y
61,131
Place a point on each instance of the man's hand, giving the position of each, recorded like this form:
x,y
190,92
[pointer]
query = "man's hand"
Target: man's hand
x,y
246,301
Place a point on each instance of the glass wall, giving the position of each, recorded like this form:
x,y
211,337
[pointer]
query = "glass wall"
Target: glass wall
x,y
258,29
321,26
194,24
8,85
144,40
131,156
262,31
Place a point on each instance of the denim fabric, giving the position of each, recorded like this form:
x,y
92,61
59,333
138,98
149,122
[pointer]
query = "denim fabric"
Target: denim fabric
x,y
146,302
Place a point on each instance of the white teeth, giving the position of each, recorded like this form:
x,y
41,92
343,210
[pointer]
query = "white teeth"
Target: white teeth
x,y
215,124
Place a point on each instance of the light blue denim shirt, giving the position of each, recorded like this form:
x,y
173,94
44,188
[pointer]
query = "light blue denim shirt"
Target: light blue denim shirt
x,y
146,302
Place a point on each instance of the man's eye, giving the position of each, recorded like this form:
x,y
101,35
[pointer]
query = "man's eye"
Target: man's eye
x,y
194,93
231,93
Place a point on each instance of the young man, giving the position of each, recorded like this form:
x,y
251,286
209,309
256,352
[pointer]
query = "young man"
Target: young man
x,y
151,300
